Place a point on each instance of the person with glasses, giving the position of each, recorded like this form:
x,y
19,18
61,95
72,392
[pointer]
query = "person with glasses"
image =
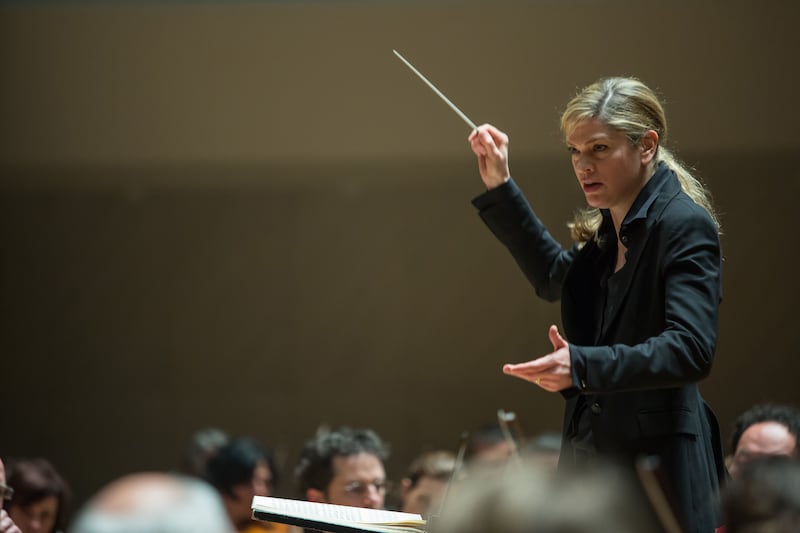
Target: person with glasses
x,y
344,467
7,525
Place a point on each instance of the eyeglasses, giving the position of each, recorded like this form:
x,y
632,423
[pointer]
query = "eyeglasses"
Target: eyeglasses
x,y
358,488
6,492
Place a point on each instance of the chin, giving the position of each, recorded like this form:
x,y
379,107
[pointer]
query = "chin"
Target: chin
x,y
597,204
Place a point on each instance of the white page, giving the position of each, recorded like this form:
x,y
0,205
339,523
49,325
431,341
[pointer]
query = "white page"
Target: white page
x,y
330,512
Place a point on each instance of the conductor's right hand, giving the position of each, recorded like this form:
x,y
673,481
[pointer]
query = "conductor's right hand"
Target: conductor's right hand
x,y
491,147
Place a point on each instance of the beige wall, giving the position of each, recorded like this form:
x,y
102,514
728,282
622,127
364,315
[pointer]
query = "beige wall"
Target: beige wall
x,y
266,81
253,216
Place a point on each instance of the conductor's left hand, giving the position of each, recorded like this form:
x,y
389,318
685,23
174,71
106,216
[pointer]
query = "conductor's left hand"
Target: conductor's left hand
x,y
551,372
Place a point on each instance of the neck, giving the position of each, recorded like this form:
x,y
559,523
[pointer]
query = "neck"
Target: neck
x,y
618,212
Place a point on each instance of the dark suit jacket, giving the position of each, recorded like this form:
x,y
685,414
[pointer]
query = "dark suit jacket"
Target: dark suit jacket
x,y
639,339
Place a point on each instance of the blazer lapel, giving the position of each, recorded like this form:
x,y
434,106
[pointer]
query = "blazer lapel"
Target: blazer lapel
x,y
637,233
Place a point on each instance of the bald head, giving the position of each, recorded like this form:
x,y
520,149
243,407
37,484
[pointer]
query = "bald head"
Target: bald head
x,y
761,439
154,503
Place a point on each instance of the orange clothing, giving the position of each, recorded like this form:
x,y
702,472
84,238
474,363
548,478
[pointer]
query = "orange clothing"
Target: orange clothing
x,y
258,526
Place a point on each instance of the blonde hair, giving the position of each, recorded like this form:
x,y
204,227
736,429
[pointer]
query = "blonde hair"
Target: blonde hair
x,y
630,107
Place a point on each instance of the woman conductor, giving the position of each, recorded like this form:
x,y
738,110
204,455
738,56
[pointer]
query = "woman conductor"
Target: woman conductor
x,y
639,293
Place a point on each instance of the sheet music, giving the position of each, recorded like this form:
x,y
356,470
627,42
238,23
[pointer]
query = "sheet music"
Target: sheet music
x,y
331,512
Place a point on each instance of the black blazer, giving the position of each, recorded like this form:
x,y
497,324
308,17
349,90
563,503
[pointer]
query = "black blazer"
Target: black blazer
x,y
640,339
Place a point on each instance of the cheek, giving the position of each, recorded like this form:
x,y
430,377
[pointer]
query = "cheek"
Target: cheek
x,y
243,492
16,516
48,522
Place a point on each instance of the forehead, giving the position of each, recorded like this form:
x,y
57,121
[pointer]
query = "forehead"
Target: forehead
x,y
588,130
768,437
429,484
355,467
262,470
47,505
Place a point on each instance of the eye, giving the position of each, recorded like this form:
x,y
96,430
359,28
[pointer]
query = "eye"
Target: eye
x,y
572,150
600,147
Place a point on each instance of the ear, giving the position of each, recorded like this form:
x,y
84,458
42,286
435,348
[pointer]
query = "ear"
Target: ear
x,y
316,495
649,146
405,486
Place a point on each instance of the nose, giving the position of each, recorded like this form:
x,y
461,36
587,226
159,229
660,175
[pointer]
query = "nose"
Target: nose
x,y
262,488
373,498
582,164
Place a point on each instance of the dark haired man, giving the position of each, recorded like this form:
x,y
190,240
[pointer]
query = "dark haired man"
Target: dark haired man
x,y
426,481
344,467
764,429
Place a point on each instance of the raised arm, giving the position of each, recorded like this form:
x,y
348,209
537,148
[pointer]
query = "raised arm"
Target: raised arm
x,y
491,147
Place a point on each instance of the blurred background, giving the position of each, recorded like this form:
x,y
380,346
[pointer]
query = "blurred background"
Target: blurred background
x,y
252,215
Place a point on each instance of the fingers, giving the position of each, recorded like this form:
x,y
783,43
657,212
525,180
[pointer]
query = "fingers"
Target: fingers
x,y
550,372
478,147
482,143
497,136
490,145
555,338
536,366
518,371
547,379
487,140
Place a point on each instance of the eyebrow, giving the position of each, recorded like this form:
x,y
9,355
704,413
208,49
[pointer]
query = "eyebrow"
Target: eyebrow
x,y
591,140
373,480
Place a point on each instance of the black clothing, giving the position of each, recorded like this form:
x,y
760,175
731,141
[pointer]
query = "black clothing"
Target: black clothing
x,y
640,338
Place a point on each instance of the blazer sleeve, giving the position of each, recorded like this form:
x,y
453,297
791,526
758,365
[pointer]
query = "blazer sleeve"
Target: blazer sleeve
x,y
682,352
509,216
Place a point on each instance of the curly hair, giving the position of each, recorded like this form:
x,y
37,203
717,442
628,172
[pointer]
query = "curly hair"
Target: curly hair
x,y
315,469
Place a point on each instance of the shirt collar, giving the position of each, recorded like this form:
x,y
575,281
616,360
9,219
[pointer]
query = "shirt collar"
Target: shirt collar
x,y
646,197
648,194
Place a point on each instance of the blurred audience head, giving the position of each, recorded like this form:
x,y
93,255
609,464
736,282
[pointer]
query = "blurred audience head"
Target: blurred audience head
x,y
487,446
5,491
239,470
6,524
154,503
425,482
765,429
344,467
203,445
764,497
544,448
533,498
39,502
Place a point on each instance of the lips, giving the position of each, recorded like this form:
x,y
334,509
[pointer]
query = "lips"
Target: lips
x,y
591,186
